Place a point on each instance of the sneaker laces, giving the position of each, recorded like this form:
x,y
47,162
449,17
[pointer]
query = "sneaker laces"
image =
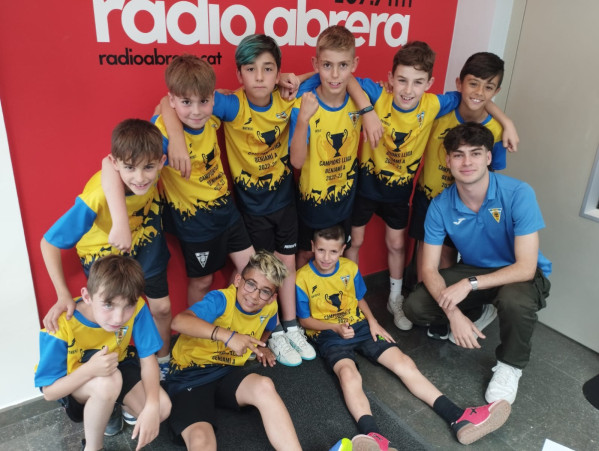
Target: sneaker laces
x,y
281,344
298,337
506,375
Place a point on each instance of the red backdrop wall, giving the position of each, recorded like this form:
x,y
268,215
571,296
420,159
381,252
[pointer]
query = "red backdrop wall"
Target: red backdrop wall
x,y
70,70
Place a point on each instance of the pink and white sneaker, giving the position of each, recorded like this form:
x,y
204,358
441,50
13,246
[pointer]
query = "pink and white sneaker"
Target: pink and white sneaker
x,y
476,422
371,442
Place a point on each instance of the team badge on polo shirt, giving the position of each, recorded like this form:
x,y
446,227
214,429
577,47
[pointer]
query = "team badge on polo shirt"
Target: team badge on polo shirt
x,y
496,213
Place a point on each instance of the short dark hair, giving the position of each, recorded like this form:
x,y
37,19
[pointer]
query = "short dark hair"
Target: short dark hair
x,y
469,133
254,45
335,232
116,275
484,65
135,141
416,54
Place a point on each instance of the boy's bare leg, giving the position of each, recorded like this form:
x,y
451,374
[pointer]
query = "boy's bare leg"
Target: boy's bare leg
x,y
240,259
405,368
199,437
287,290
351,385
135,400
259,391
302,258
357,239
396,251
197,287
99,395
161,312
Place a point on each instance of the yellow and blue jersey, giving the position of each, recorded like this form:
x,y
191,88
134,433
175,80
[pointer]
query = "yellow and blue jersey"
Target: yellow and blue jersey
x,y
87,224
193,359
328,178
387,172
332,298
435,175
200,208
257,141
78,338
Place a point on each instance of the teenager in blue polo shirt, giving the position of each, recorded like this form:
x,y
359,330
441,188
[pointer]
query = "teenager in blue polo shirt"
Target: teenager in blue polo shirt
x,y
493,220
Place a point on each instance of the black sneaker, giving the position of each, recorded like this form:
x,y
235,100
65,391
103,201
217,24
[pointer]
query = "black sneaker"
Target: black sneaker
x,y
438,331
115,423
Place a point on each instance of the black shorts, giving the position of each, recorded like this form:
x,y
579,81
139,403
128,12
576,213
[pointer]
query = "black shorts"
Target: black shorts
x,y
420,204
395,214
156,287
332,348
207,257
306,234
131,373
274,232
198,404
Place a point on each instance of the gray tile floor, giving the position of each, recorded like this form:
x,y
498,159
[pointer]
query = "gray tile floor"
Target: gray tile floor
x,y
550,402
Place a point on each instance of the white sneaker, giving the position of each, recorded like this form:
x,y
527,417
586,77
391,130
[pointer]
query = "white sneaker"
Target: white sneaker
x,y
504,383
299,342
487,317
395,307
283,351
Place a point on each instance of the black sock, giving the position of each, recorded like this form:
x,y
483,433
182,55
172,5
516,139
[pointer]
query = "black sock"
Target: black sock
x,y
366,425
279,328
288,324
447,410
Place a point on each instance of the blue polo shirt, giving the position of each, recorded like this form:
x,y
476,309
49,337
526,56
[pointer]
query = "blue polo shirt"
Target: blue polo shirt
x,y
486,239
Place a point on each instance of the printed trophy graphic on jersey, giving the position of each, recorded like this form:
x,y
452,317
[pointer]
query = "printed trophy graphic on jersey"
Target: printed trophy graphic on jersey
x,y
208,158
336,141
399,138
334,299
269,136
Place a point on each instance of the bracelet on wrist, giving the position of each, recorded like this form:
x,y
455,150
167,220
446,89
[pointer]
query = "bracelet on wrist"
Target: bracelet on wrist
x,y
229,339
213,334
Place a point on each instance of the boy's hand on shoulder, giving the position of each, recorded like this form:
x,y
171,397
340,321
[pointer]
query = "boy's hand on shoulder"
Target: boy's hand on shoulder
x,y
225,92
178,159
386,86
267,358
147,426
288,85
510,137
103,363
66,304
309,106
120,237
345,331
379,332
372,128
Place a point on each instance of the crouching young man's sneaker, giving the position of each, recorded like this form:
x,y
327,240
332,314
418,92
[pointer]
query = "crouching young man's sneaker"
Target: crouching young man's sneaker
x,y
504,384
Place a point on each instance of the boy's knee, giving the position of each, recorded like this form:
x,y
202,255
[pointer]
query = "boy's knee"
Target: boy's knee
x,y
165,406
161,307
199,436
264,386
349,374
396,245
201,283
107,387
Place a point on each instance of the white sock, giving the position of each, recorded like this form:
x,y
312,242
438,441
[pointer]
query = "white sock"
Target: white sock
x,y
165,359
396,285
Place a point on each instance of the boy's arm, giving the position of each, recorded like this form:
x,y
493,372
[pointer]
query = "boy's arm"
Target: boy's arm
x,y
376,329
148,421
188,323
53,261
344,330
298,149
289,84
114,192
178,156
371,124
102,363
510,135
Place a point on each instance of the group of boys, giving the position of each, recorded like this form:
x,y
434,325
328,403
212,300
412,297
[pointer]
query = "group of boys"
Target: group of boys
x,y
267,134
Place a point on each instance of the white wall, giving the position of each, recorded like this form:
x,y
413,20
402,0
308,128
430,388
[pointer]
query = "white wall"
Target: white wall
x,y
554,101
18,311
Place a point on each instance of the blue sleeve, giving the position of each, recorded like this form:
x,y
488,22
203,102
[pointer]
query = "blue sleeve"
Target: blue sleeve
x,y
226,107
210,307
53,360
302,303
434,230
68,230
449,102
526,214
498,161
272,323
145,334
372,89
359,286
293,122
309,85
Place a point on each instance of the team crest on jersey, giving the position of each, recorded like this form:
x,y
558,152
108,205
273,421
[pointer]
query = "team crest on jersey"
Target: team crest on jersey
x,y
202,258
282,115
496,213
354,117
120,334
420,118
263,318
345,280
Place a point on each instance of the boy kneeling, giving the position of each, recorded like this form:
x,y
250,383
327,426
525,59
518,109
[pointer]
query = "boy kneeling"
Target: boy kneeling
x,y
331,307
88,365
217,335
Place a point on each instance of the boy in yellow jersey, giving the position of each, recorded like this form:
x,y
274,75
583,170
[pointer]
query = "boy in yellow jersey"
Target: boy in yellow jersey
x,y
88,364
479,81
330,304
217,336
135,161
324,137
